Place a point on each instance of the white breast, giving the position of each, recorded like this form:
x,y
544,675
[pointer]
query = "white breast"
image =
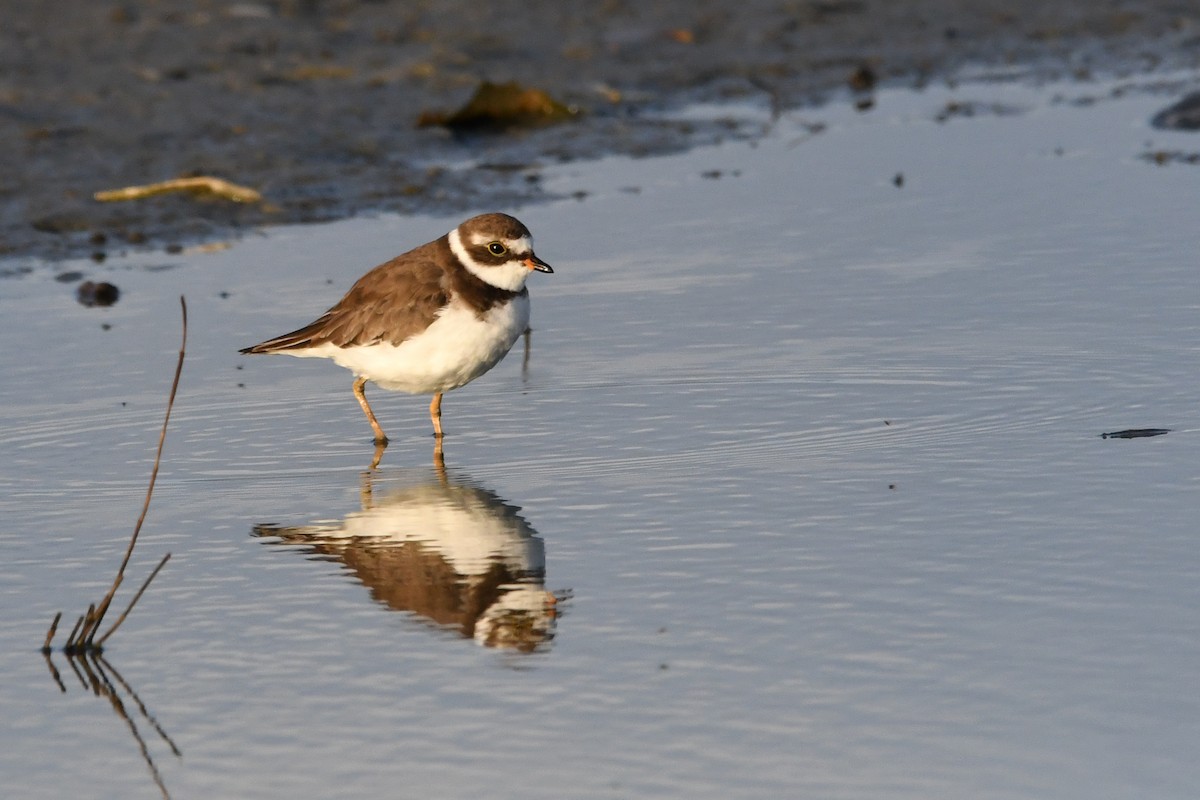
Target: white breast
x,y
457,348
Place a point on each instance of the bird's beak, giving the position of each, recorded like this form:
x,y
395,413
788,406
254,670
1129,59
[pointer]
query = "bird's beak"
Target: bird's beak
x,y
533,262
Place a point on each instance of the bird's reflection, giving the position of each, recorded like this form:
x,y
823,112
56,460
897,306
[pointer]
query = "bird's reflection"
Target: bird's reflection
x,y
100,677
445,549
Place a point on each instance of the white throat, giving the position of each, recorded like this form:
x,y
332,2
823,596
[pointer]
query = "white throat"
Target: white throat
x,y
510,276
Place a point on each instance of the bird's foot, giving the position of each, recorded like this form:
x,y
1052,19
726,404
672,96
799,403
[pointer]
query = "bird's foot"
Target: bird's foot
x,y
377,456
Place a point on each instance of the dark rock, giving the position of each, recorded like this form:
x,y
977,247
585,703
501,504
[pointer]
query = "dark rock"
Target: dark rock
x,y
93,294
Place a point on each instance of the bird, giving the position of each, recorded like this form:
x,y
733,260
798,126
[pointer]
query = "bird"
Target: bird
x,y
429,320
445,549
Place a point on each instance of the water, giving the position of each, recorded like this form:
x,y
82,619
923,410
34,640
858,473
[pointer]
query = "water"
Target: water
x,y
809,463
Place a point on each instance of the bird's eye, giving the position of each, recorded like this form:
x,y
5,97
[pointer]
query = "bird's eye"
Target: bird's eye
x,y
497,249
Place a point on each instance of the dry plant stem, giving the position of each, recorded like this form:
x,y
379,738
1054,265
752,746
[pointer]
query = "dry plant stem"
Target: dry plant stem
x,y
80,629
84,633
50,633
217,186
74,630
525,361
137,529
132,602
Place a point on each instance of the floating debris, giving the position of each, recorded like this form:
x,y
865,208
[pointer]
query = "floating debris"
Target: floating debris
x,y
1135,433
1163,157
502,105
204,185
92,294
207,247
970,108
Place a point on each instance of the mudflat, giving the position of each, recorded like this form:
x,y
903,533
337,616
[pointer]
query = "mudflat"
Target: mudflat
x,y
317,105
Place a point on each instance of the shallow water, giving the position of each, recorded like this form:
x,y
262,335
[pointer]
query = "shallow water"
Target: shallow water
x,y
811,463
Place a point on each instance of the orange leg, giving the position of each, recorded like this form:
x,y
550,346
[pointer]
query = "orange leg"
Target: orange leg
x,y
435,414
359,384
439,462
377,457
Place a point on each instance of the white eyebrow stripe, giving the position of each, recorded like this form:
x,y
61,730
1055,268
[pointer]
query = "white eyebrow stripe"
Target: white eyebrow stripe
x,y
522,244
509,275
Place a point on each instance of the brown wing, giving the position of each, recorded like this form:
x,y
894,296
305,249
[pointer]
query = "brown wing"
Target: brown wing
x,y
391,303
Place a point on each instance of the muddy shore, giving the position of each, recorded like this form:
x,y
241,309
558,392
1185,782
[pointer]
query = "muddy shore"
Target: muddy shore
x,y
316,104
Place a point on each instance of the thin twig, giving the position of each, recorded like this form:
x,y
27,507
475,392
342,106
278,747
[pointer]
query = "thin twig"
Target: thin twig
x,y
81,628
137,529
94,615
74,630
50,633
132,603
202,184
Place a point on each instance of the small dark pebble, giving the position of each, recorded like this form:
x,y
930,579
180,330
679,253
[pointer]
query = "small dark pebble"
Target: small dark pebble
x,y
864,104
891,486
99,256
862,79
1135,433
93,294
68,277
223,295
104,326
899,179
98,238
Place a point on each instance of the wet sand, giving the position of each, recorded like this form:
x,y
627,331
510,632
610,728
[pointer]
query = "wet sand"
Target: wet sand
x,y
316,104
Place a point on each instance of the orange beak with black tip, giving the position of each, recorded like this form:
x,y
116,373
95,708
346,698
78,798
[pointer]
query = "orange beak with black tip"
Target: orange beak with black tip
x,y
533,262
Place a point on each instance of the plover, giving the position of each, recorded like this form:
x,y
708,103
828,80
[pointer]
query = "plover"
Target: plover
x,y
430,320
